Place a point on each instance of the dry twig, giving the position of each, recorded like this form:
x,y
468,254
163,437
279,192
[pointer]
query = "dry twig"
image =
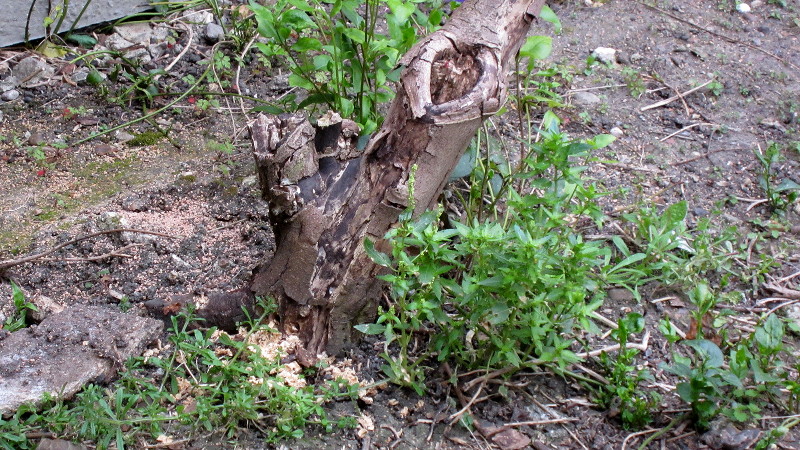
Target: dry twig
x,y
41,256
675,97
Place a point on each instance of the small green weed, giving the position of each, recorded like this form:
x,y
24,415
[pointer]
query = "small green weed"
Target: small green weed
x,y
739,385
634,82
19,319
716,88
783,194
624,392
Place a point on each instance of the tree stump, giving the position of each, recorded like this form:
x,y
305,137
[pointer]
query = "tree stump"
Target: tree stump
x,y
326,196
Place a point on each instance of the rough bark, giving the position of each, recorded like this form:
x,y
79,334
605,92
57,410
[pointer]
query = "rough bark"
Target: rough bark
x,y
326,197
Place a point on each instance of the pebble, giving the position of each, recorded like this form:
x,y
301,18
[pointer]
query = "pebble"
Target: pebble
x,y
605,55
214,32
117,42
8,84
137,33
586,99
617,132
123,136
9,96
33,70
743,8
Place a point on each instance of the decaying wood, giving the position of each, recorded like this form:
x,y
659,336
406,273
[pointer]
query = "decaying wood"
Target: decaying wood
x,y
325,196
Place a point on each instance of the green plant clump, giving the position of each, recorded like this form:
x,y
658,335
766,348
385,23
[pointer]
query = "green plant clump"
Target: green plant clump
x,y
336,53
513,290
210,382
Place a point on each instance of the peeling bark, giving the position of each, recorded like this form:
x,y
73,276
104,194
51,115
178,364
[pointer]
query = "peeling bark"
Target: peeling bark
x,y
325,196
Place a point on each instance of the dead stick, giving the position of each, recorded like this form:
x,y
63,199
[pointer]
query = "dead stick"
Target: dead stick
x,y
15,262
688,127
675,97
531,423
110,254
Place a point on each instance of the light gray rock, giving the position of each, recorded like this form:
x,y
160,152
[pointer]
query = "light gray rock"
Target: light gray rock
x,y
32,70
137,33
67,350
617,132
213,32
585,99
8,84
116,42
605,55
9,96
140,54
160,34
123,136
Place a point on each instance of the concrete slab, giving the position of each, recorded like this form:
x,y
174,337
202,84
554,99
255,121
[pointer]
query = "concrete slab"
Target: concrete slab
x,y
14,15
67,350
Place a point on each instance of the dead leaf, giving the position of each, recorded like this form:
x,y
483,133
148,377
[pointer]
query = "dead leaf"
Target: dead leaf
x,y
511,439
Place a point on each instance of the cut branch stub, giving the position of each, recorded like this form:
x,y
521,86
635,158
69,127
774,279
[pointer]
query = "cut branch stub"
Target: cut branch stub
x,y
325,198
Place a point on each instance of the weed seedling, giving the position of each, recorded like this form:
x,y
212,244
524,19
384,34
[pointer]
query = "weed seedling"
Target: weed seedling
x,y
19,319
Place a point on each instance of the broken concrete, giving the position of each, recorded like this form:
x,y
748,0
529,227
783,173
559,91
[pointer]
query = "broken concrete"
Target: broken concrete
x,y
14,16
80,345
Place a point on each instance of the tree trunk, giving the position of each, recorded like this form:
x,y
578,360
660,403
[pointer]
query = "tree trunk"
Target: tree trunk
x,y
325,196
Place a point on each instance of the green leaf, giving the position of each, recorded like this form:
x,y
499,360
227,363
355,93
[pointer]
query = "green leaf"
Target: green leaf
x,y
84,40
602,140
548,15
355,35
709,351
370,328
401,10
675,213
377,257
770,334
269,109
636,257
305,44
296,80
296,20
787,185
536,47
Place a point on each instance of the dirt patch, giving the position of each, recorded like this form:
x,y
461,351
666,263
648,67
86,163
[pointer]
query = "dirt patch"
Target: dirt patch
x,y
203,199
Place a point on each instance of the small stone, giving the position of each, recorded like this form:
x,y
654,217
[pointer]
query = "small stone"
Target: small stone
x,y
33,70
117,42
36,138
214,32
123,136
743,8
617,132
137,33
139,54
160,34
134,203
585,99
620,295
104,149
605,55
8,84
9,96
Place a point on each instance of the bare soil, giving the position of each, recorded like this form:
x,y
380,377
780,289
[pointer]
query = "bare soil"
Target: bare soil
x,y
205,201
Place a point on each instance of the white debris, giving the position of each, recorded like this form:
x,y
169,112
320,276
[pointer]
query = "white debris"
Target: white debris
x,y
743,8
